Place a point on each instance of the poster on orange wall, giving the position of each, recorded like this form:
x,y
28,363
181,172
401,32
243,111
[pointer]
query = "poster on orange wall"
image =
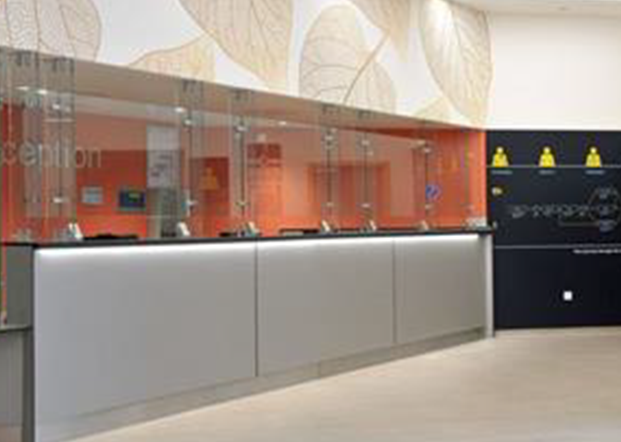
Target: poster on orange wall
x,y
265,180
215,189
214,183
163,157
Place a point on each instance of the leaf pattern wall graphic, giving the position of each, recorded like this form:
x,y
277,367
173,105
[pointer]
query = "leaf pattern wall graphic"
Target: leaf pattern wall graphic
x,y
440,109
254,33
18,24
457,45
194,60
437,110
392,17
61,27
337,66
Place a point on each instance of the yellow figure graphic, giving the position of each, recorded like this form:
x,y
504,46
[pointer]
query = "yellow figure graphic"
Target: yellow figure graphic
x,y
593,158
500,158
547,158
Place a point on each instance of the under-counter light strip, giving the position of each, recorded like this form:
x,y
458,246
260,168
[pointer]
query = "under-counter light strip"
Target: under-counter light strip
x,y
451,237
154,249
142,249
305,243
458,237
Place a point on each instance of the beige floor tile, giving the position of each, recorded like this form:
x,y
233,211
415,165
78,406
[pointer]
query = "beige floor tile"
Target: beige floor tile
x,y
521,387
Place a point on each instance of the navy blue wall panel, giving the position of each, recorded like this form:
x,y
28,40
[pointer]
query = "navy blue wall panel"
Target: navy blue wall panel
x,y
558,230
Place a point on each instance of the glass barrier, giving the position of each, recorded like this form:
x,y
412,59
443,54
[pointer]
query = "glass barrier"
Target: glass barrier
x,y
401,180
89,162
126,181
38,130
447,180
287,159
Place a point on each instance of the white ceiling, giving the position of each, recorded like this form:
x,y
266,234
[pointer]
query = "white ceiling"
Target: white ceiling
x,y
569,7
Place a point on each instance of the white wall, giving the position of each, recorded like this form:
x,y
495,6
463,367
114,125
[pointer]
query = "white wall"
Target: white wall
x,y
426,58
555,72
411,57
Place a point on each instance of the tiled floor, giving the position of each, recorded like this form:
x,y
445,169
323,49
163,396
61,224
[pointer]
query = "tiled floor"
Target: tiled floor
x,y
521,387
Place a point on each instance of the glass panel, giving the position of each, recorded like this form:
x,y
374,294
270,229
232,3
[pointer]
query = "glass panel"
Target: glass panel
x,y
475,145
326,170
168,175
245,165
174,146
153,159
289,162
58,155
420,154
350,182
326,178
135,178
369,171
265,150
38,149
400,183
114,185
23,117
191,124
447,189
215,183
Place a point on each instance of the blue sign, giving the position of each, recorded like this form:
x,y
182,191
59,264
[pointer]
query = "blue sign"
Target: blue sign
x,y
432,192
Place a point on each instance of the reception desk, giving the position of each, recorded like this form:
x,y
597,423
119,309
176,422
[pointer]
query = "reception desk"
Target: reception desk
x,y
130,331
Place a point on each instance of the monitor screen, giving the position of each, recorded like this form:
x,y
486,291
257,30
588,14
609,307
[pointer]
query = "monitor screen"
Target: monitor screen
x,y
132,200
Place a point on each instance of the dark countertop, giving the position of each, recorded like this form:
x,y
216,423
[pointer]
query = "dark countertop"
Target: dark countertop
x,y
224,240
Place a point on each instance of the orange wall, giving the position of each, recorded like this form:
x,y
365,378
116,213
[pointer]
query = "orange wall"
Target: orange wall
x,y
288,189
119,170
463,191
477,142
123,161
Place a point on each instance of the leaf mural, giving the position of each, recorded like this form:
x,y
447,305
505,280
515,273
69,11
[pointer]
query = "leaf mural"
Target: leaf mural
x,y
18,24
254,33
338,67
60,27
457,45
439,109
392,17
194,60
